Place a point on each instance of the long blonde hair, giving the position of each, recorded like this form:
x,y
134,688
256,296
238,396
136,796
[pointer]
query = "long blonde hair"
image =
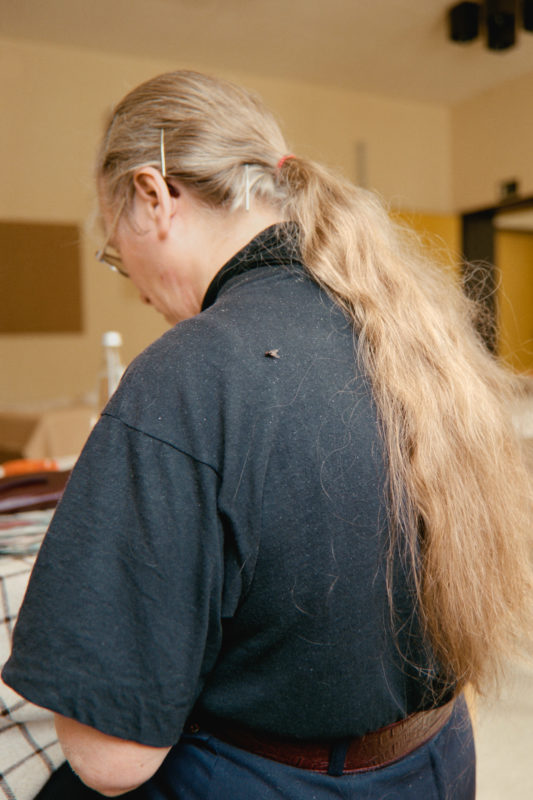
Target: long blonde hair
x,y
460,494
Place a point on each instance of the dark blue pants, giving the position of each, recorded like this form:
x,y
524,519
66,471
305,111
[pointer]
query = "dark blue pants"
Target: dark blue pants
x,y
202,767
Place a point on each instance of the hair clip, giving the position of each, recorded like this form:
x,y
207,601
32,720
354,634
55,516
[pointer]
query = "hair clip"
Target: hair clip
x,y
162,148
246,188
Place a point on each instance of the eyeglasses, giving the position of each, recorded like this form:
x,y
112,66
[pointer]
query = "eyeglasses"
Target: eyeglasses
x,y
107,256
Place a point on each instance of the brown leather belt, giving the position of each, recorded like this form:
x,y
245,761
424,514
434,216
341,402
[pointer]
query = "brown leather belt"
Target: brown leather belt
x,y
373,750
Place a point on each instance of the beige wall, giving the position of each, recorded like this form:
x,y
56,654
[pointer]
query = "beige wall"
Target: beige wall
x,y
492,142
54,100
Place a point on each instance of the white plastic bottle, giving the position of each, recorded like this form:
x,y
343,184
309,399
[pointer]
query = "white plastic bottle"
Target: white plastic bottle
x,y
112,366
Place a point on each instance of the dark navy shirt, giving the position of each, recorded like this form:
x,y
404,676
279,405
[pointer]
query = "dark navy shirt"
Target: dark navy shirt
x,y
221,544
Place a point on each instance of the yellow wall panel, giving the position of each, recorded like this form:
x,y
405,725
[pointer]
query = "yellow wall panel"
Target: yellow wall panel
x,y
514,256
439,233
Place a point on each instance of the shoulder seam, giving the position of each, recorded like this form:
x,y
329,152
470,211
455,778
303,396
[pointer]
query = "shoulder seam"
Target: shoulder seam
x,y
162,441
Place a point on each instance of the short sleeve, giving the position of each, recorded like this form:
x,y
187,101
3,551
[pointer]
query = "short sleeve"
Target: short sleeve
x,y
122,617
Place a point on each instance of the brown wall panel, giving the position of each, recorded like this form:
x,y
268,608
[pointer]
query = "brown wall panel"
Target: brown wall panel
x,y
40,280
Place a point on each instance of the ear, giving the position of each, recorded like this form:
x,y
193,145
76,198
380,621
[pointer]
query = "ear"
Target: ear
x,y
153,202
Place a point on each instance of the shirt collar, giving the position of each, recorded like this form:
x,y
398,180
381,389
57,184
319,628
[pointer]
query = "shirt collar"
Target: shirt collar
x,y
277,245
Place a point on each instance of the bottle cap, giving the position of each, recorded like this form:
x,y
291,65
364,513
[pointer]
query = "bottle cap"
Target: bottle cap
x,y
112,339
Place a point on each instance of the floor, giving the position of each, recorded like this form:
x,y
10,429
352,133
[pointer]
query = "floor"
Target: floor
x,y
504,726
504,740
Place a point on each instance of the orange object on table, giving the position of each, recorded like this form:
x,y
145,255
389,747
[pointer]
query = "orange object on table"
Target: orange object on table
x,y
23,466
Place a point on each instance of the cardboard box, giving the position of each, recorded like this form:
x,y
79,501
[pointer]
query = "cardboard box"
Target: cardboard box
x,y
46,434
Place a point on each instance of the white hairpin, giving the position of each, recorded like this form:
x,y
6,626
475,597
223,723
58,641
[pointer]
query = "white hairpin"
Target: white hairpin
x,y
162,148
246,188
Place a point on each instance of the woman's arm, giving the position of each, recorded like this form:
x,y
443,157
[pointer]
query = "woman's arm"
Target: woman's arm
x,y
105,763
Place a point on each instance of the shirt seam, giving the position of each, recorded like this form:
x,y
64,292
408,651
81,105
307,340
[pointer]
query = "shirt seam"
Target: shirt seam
x,y
152,436
198,461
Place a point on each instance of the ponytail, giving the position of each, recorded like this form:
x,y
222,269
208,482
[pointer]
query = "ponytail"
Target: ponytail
x,y
461,497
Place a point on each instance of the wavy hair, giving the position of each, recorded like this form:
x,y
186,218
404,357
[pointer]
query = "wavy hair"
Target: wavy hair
x,y
460,493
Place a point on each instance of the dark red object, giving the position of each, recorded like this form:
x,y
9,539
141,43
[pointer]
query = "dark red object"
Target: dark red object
x,y
32,492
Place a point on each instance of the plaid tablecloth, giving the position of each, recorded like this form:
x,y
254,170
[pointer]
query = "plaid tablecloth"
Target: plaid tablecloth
x,y
29,750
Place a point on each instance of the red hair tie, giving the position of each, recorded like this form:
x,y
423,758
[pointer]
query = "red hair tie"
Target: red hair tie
x,y
283,159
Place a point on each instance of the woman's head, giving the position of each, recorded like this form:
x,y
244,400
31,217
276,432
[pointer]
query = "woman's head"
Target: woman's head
x,y
187,175
214,137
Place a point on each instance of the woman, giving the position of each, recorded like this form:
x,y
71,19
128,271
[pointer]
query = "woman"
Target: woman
x,y
298,529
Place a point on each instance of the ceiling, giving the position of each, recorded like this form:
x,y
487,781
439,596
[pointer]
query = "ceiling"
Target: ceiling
x,y
397,48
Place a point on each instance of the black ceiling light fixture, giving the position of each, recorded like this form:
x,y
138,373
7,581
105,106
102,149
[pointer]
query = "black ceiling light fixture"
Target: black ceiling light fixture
x,y
527,15
499,19
464,21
